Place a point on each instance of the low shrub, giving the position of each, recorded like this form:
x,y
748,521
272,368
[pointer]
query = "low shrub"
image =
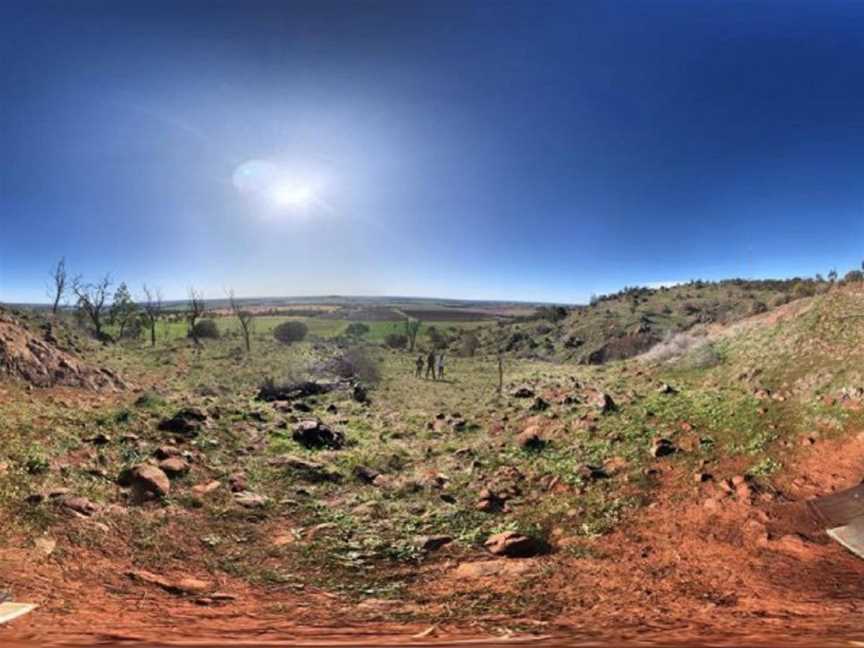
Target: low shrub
x,y
206,329
290,331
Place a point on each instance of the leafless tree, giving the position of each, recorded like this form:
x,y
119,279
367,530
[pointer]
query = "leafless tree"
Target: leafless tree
x,y
194,311
152,306
92,300
58,288
245,317
412,328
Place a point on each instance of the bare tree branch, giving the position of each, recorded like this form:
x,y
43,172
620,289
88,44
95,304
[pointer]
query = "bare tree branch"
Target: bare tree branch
x,y
58,289
245,317
194,311
152,306
92,300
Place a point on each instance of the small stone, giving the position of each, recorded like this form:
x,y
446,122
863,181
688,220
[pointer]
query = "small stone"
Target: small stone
x,y
250,500
531,439
174,466
237,482
512,545
433,542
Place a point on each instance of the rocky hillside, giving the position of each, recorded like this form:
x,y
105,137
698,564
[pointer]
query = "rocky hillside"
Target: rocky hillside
x,y
39,360
633,320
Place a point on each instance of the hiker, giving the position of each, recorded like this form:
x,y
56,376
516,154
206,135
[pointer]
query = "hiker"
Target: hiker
x,y
419,365
430,365
441,366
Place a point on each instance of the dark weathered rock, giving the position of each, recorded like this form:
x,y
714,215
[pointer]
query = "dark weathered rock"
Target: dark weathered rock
x,y
591,473
186,423
166,452
433,542
312,433
539,405
359,394
292,391
603,403
523,392
531,439
365,474
661,447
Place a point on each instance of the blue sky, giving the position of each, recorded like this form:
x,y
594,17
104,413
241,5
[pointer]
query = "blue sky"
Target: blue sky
x,y
501,150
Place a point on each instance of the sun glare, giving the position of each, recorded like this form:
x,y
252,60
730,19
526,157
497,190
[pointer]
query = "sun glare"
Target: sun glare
x,y
292,196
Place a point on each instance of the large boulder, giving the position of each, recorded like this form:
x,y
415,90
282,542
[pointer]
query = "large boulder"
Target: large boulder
x,y
314,434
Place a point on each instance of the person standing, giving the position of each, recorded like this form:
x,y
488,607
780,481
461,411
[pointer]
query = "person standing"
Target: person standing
x,y
419,365
441,366
430,365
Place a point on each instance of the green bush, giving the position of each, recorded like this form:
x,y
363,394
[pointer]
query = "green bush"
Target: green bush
x,y
290,331
205,328
356,329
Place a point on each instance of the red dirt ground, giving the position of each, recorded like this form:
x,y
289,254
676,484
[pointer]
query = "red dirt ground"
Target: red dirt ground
x,y
742,569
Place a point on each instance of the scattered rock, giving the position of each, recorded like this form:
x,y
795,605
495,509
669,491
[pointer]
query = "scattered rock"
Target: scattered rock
x,y
433,542
522,392
251,500
539,405
174,466
531,439
292,391
99,439
492,568
603,403
45,545
312,433
186,423
183,585
237,482
665,388
203,489
359,394
512,545
365,474
702,477
167,451
147,482
591,473
662,447
80,505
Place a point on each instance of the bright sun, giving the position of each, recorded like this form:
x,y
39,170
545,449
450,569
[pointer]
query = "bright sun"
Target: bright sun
x,y
293,196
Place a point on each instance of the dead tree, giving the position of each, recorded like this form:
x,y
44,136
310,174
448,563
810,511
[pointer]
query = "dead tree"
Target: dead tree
x,y
152,310
92,300
412,328
245,318
194,311
58,289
